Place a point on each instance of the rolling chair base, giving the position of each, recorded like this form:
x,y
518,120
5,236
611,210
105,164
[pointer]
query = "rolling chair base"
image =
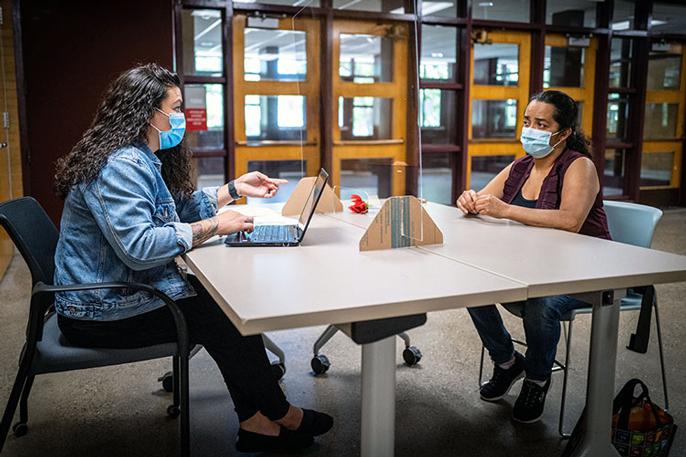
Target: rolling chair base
x,y
320,363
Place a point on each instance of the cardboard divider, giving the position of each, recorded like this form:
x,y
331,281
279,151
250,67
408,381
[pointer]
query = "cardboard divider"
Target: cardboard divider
x,y
401,222
329,202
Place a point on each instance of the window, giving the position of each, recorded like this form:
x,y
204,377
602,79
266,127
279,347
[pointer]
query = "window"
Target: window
x,y
365,118
496,64
366,59
203,42
275,55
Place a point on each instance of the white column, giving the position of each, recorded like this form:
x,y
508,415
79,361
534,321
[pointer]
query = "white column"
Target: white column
x,y
600,390
378,399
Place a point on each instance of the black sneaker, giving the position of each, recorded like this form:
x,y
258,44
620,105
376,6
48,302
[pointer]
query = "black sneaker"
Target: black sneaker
x,y
502,380
529,405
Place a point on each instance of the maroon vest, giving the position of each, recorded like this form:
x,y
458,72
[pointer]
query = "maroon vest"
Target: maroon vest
x,y
551,191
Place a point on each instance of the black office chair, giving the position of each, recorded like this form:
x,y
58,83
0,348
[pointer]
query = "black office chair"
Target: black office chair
x,y
47,351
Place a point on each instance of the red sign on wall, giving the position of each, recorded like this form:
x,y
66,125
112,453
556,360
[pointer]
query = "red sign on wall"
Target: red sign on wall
x,y
196,119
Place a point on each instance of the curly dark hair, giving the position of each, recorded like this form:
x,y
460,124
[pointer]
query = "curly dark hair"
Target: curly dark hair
x,y
565,114
121,120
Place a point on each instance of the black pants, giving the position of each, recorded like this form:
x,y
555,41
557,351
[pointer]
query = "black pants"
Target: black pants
x,y
242,360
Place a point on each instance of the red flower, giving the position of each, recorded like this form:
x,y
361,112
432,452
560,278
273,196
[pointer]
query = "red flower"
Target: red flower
x,y
358,206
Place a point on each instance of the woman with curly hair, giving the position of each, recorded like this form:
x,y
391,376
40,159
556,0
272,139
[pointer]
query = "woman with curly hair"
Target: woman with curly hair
x,y
555,185
130,210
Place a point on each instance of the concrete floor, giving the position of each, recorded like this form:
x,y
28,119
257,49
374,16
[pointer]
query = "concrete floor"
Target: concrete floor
x,y
120,411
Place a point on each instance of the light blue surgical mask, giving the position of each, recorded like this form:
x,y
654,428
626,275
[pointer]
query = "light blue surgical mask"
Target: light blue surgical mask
x,y
537,142
171,138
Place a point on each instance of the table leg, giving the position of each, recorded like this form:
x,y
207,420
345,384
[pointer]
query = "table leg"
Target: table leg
x,y
378,398
601,374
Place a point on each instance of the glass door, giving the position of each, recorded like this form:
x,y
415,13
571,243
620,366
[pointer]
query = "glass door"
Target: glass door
x,y
570,68
369,102
276,96
663,129
498,97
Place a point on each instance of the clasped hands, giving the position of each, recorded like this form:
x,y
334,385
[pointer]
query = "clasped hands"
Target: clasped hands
x,y
487,204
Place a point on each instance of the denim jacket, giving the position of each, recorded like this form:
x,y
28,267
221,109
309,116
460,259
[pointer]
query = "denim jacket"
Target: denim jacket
x,y
125,226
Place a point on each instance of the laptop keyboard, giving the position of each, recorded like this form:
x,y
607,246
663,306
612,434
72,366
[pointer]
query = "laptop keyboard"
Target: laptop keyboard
x,y
271,232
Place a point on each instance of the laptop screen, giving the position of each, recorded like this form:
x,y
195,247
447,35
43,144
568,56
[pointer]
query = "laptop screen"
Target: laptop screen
x,y
313,199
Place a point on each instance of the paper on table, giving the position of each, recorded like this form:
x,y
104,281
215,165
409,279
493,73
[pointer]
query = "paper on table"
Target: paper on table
x,y
261,215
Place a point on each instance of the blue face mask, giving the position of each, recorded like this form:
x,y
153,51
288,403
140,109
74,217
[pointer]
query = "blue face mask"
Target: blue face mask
x,y
537,142
172,137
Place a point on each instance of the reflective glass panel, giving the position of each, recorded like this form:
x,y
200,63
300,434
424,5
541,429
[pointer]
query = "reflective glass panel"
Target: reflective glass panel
x,y
501,10
437,183
440,8
580,116
573,13
366,59
660,121
210,171
617,116
485,168
373,176
439,50
202,42
614,180
365,118
494,118
656,168
496,64
275,118
388,6
437,116
275,55
564,67
623,15
668,17
620,62
300,3
664,71
204,105
291,170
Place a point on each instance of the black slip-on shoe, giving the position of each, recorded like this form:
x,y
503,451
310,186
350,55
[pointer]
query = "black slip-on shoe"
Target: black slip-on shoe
x,y
314,423
286,441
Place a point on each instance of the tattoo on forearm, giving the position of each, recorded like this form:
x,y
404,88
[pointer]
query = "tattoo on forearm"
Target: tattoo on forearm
x,y
204,230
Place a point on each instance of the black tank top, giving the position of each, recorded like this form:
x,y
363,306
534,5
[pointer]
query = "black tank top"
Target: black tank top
x,y
521,201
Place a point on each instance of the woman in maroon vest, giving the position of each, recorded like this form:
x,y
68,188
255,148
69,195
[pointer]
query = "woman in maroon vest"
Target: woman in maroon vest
x,y
555,185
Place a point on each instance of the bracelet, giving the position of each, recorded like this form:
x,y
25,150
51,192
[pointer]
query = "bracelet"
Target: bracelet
x,y
232,190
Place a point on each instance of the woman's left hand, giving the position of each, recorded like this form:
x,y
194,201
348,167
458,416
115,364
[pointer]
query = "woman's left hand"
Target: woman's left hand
x,y
256,184
491,206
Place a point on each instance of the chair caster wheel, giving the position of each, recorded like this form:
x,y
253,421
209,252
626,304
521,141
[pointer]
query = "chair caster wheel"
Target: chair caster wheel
x,y
320,364
278,369
167,381
412,356
173,411
20,429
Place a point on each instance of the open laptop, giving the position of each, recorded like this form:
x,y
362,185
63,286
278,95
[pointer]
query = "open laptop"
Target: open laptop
x,y
283,235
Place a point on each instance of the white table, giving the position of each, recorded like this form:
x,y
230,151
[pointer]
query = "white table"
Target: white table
x,y
327,281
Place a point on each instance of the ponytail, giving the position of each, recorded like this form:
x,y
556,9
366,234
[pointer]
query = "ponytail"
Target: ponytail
x,y
579,142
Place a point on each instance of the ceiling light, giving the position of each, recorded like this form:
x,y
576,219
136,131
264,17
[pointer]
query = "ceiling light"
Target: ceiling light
x,y
486,4
622,25
206,13
429,8
625,25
